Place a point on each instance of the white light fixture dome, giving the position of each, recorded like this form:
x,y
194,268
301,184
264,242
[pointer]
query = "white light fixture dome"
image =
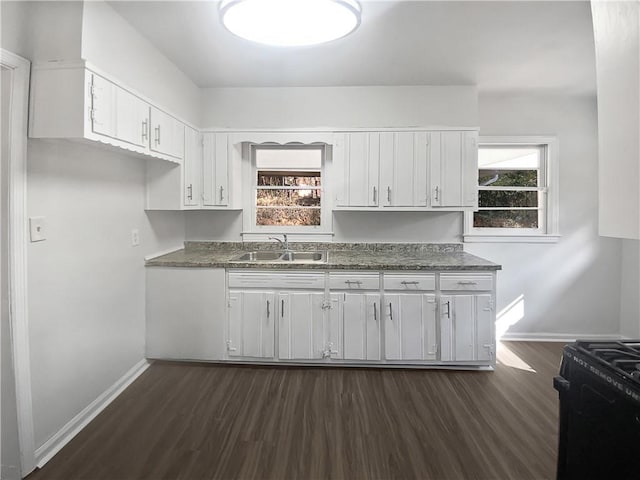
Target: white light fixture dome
x,y
290,23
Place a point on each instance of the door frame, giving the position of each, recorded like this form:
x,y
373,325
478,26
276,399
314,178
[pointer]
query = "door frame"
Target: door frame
x,y
17,239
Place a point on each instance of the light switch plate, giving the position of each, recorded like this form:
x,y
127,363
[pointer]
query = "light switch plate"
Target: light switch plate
x,y
135,237
37,229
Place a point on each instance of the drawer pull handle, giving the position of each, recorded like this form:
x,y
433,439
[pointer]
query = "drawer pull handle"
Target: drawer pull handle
x,y
404,282
448,309
356,282
467,283
375,195
282,309
375,312
390,312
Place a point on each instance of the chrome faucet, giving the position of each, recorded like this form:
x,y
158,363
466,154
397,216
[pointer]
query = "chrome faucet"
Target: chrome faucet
x,y
285,243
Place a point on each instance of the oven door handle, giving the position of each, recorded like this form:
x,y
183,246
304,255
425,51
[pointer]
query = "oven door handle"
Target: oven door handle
x,y
561,384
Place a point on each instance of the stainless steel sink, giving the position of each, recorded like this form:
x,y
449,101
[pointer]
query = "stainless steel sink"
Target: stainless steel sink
x,y
277,257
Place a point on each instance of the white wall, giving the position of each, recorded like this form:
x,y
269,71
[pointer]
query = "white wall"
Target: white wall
x,y
630,289
571,287
616,27
113,45
86,281
348,107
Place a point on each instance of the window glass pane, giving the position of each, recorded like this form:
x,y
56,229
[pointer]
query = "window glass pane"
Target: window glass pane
x,y
291,198
288,179
288,216
509,158
289,158
506,219
497,198
507,178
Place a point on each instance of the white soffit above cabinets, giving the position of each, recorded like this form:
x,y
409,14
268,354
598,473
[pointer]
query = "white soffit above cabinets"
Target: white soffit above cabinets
x,y
507,46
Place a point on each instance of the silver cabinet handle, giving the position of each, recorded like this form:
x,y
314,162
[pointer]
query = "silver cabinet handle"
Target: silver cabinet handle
x,y
467,283
390,311
375,312
157,129
145,129
404,282
356,282
268,309
375,195
389,194
282,308
437,193
190,192
221,193
448,309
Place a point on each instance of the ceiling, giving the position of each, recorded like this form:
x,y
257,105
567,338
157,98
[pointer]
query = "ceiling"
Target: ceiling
x,y
504,46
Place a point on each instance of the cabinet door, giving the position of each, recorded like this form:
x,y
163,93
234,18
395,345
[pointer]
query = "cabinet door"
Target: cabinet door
x,y
251,324
359,170
192,167
102,106
215,173
167,134
454,166
301,334
132,118
410,326
403,169
465,328
355,326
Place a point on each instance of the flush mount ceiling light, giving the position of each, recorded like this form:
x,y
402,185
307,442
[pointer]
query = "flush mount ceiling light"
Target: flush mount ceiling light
x,y
290,23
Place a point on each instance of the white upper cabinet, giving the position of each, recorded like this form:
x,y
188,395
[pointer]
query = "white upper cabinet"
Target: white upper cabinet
x,y
69,100
453,169
167,134
192,168
358,168
215,170
406,170
403,169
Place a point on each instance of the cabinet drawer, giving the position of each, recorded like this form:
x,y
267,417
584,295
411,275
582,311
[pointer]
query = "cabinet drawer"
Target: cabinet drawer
x,y
276,280
354,281
400,281
466,281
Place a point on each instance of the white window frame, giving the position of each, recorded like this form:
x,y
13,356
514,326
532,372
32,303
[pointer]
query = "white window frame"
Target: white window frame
x,y
548,231
253,232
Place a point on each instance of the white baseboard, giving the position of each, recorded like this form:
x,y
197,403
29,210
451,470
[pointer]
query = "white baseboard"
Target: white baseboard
x,y
77,423
555,337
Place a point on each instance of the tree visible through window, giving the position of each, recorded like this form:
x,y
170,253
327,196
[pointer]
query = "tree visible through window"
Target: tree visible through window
x,y
288,186
511,187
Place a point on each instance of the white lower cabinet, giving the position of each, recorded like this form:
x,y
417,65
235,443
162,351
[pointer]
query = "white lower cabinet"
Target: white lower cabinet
x,y
355,326
466,327
251,324
410,326
301,333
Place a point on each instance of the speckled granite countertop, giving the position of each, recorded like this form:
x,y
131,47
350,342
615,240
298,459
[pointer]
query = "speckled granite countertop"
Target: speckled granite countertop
x,y
341,256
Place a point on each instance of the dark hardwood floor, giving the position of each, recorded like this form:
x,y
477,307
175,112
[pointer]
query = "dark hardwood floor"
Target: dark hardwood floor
x,y
199,421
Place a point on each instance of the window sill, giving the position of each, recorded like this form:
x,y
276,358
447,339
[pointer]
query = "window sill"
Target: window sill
x,y
292,236
482,238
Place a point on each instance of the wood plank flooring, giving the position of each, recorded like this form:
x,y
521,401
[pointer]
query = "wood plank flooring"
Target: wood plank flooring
x,y
199,421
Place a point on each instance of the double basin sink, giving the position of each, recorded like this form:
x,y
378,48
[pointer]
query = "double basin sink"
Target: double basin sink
x,y
282,257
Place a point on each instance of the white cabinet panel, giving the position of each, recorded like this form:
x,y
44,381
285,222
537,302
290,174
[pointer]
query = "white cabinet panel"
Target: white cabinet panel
x,y
215,170
357,165
466,327
191,190
301,328
355,326
103,106
403,169
132,118
453,169
410,326
251,324
167,134
409,282
466,281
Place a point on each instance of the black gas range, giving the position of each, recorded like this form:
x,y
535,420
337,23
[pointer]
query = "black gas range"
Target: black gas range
x,y
599,390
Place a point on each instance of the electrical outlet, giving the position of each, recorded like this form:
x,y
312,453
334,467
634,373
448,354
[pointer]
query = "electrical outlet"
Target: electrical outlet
x,y
135,237
37,229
